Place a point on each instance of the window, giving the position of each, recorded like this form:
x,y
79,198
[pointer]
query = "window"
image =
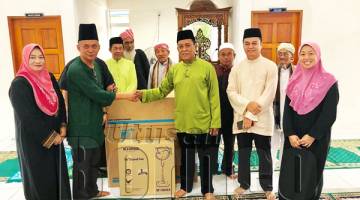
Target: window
x,y
118,21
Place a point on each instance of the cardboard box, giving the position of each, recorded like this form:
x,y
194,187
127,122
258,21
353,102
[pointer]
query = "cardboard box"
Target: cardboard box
x,y
146,167
136,120
156,110
117,133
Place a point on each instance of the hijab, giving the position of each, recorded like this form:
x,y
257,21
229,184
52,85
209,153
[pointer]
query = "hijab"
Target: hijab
x,y
40,81
308,87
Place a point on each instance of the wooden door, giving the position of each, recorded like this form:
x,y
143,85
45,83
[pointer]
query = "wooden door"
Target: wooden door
x,y
45,31
277,28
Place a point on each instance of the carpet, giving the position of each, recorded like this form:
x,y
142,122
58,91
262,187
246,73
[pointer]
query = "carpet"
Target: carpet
x,y
10,170
8,165
345,196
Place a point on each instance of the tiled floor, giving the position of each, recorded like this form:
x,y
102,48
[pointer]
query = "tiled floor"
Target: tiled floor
x,y
335,180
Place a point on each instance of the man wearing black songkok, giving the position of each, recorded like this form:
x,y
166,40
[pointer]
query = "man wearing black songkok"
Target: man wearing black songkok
x,y
87,97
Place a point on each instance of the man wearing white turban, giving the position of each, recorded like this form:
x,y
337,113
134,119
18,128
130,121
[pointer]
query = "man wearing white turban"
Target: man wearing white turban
x,y
139,58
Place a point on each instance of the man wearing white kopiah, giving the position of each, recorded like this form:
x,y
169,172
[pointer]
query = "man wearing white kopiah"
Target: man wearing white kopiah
x,y
251,91
285,53
226,59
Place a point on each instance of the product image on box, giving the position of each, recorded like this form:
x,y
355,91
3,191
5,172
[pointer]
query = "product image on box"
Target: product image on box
x,y
136,170
146,167
162,154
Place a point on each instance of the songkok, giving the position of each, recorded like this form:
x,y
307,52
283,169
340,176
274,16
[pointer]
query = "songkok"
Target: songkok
x,y
185,34
161,45
88,32
115,40
127,34
287,46
226,46
252,32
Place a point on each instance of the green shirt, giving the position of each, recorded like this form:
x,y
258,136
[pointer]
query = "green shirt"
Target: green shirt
x,y
197,104
86,97
124,74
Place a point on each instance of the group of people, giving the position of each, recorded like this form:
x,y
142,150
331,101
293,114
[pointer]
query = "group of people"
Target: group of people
x,y
232,101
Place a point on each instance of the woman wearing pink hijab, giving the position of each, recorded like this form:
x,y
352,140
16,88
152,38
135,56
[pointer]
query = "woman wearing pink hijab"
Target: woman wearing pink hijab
x,y
40,121
310,111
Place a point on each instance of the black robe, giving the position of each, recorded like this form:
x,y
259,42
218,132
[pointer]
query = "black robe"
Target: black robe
x,y
227,112
317,124
227,119
44,171
277,114
142,67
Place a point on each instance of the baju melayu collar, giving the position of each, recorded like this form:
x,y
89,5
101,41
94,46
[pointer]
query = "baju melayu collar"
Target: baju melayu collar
x,y
124,74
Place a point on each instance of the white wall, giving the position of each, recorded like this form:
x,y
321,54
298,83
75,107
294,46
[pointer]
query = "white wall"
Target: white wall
x,y
94,11
241,19
144,20
19,8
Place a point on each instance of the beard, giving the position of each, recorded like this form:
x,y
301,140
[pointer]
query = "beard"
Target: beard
x,y
130,55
